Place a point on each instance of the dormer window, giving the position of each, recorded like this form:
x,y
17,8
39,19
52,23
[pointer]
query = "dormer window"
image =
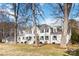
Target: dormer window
x,y
59,28
51,30
42,31
47,30
54,30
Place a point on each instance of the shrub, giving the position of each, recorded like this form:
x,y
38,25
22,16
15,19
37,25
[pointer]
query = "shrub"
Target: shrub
x,y
74,37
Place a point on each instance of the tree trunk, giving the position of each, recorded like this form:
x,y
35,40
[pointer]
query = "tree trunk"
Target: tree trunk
x,y
65,27
34,25
15,13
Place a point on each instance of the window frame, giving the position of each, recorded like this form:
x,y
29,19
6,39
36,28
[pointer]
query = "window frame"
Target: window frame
x,y
46,37
54,37
47,30
42,37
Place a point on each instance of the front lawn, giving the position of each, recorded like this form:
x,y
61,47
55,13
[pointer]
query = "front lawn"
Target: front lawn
x,y
26,50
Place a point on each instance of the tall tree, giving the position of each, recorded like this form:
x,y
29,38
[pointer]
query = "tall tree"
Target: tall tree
x,y
34,25
35,11
67,8
15,8
65,27
63,11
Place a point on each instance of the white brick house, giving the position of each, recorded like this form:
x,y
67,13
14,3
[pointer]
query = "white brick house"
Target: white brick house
x,y
47,33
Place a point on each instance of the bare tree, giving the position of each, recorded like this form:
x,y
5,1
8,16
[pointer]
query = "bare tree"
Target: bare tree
x,y
34,25
63,12
35,11
15,8
67,8
65,27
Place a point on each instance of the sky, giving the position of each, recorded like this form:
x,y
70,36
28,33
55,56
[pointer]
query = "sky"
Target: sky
x,y
48,18
47,14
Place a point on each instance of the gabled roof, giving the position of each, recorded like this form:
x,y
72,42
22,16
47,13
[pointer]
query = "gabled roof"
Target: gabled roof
x,y
43,26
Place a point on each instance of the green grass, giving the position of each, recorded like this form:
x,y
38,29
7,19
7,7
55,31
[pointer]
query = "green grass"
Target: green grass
x,y
26,50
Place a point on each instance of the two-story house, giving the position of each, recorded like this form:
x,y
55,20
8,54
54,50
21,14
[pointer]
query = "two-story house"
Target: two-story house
x,y
51,33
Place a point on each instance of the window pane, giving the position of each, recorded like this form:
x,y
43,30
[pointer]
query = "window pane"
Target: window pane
x,y
51,30
29,38
26,37
54,37
19,38
46,30
42,37
23,37
47,37
42,31
59,28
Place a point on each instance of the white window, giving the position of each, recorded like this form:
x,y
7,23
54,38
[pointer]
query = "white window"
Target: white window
x,y
46,37
29,38
23,38
34,37
54,30
42,31
42,37
46,30
19,38
51,30
54,37
26,37
59,28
